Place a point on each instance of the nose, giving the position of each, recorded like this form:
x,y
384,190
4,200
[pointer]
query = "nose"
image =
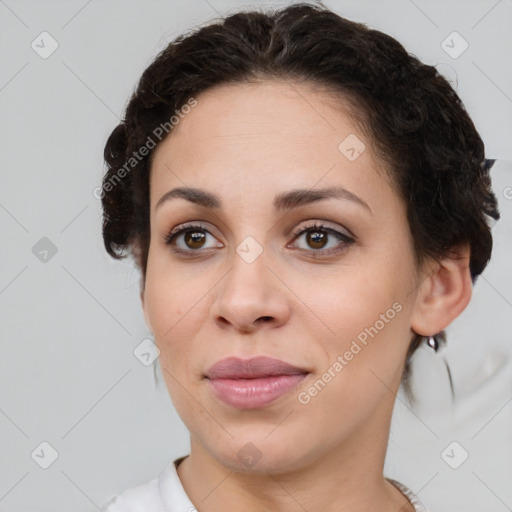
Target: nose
x,y
250,297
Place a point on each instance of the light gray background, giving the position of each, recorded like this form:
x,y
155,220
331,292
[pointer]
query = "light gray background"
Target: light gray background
x,y
68,326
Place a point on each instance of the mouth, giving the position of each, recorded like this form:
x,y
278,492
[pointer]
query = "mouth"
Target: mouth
x,y
253,383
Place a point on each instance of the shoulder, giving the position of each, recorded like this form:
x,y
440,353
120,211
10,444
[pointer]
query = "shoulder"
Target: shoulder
x,y
140,498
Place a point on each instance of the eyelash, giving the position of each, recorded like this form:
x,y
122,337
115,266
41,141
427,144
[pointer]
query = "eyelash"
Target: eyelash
x,y
347,240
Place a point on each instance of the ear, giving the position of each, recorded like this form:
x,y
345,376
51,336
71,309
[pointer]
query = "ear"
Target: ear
x,y
444,292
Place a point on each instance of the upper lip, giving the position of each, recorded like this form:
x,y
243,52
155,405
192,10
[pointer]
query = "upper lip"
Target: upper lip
x,y
254,367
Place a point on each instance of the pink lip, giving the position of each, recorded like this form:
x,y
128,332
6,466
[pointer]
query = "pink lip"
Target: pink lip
x,y
252,383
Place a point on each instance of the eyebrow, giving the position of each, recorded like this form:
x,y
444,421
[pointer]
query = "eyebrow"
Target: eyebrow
x,y
284,201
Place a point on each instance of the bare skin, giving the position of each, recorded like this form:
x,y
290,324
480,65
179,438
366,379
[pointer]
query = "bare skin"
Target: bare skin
x,y
298,301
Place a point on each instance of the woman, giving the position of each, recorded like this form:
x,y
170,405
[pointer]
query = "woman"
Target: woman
x,y
307,203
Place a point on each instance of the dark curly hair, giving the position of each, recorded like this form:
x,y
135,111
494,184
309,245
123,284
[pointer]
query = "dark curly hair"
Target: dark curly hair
x,y
415,121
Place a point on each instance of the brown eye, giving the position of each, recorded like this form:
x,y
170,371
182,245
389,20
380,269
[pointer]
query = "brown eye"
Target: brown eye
x,y
316,239
194,239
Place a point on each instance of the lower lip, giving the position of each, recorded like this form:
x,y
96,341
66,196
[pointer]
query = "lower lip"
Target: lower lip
x,y
254,393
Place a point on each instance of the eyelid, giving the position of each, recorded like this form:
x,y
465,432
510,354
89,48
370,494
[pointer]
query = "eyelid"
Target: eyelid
x,y
182,228
187,225
321,224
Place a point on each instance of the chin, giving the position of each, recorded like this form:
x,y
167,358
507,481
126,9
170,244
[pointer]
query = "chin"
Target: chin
x,y
260,455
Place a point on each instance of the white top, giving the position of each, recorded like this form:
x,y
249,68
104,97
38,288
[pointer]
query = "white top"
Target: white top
x,y
166,494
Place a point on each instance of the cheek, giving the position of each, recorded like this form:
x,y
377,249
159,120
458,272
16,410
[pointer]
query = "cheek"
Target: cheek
x,y
364,317
351,301
173,310
375,327
169,296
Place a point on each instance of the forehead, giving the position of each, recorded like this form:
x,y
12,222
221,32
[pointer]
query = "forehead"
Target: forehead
x,y
264,134
265,113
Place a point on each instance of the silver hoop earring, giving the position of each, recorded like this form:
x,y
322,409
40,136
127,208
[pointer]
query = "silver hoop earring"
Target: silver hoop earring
x,y
432,343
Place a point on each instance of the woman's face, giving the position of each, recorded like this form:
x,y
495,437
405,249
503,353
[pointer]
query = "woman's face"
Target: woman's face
x,y
256,278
